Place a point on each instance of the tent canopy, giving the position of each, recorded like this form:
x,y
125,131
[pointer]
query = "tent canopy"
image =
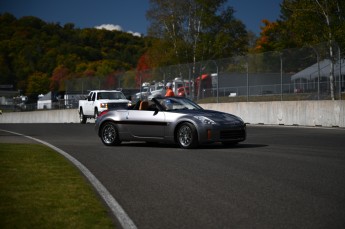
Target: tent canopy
x,y
46,97
311,72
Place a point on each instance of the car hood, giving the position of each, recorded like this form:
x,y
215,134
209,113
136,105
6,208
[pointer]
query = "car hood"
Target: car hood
x,y
216,116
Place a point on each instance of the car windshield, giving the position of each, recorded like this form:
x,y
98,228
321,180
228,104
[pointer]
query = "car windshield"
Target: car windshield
x,y
111,95
173,103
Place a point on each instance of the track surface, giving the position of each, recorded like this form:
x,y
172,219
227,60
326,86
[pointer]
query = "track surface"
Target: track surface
x,y
280,177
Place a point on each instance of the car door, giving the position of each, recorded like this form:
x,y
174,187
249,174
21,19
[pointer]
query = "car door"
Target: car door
x,y
145,124
88,110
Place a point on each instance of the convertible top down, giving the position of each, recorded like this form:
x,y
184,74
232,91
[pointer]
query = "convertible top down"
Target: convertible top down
x,y
169,120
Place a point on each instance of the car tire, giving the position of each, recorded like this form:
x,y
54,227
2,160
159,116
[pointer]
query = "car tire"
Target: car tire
x,y
110,134
82,117
186,136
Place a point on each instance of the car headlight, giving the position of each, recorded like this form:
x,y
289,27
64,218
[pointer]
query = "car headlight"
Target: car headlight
x,y
104,105
229,117
205,120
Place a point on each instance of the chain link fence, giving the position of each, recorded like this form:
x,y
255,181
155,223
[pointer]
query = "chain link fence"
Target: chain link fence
x,y
309,73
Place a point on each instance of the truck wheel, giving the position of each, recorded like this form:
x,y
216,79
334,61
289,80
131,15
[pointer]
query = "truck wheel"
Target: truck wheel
x,y
96,113
82,117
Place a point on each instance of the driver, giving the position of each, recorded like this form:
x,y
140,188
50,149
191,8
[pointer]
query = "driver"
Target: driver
x,y
168,104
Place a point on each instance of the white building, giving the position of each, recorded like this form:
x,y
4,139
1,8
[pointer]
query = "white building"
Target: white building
x,y
45,101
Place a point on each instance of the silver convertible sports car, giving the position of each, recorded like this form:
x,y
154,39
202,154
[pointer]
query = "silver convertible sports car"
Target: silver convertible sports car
x,y
170,120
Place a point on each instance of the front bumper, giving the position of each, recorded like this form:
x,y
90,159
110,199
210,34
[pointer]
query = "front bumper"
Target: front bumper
x,y
223,134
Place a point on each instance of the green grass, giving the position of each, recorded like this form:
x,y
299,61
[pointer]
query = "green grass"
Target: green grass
x,y
39,188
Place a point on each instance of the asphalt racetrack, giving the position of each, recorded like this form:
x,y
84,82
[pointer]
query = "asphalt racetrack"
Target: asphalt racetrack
x,y
280,177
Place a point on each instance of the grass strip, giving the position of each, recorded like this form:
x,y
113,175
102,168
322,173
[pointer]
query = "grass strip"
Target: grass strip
x,y
39,188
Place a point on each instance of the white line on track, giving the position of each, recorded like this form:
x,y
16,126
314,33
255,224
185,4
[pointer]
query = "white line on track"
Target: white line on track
x,y
114,206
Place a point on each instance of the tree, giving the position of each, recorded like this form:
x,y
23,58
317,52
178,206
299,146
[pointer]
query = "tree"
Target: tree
x,y
129,79
197,29
270,37
5,71
316,21
142,68
306,23
60,74
29,45
38,83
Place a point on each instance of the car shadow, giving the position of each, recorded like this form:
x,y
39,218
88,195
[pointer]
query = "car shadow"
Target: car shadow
x,y
234,146
206,146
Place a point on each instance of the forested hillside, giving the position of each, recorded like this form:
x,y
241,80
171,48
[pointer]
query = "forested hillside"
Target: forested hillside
x,y
36,55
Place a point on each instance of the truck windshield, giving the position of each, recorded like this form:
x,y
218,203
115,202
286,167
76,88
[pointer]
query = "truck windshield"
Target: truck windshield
x,y
111,95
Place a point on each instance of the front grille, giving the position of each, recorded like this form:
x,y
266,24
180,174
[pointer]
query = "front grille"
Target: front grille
x,y
232,134
116,106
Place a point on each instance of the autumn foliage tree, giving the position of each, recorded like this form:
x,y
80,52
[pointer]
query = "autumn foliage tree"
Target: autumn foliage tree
x,y
29,45
270,37
143,70
60,74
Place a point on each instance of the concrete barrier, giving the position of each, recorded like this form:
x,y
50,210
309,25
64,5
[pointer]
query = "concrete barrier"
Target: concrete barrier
x,y
305,113
43,116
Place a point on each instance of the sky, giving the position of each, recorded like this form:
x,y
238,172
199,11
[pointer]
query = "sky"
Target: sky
x,y
125,15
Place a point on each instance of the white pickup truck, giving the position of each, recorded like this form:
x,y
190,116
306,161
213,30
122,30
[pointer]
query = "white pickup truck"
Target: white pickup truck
x,y
100,100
